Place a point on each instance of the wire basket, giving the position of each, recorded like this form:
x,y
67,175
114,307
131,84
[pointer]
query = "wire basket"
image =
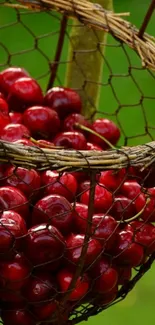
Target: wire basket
x,y
77,188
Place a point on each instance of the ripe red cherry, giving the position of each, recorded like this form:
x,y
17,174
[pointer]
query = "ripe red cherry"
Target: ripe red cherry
x,y
124,275
23,93
72,140
47,241
18,317
9,76
74,244
4,121
130,189
64,100
123,208
102,201
104,229
16,117
65,185
80,213
26,180
12,227
144,235
127,251
4,109
71,120
13,199
14,132
55,210
93,146
44,311
84,186
112,179
65,277
41,120
107,129
15,272
104,275
2,95
39,288
149,209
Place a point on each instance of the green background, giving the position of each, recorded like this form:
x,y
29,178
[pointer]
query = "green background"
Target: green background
x,y
30,44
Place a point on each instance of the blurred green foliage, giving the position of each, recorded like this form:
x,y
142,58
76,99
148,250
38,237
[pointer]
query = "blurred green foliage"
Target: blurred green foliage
x,y
138,307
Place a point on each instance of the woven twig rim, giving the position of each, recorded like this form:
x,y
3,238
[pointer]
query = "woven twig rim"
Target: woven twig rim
x,y
42,159
95,16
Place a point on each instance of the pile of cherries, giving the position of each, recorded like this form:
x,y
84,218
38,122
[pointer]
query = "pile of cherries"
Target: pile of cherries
x,y
44,215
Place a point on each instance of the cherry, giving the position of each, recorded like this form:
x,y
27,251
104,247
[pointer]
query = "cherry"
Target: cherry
x,y
65,277
124,275
130,189
75,243
93,146
84,186
26,180
72,139
102,201
144,234
18,317
123,208
104,275
15,272
13,199
13,132
47,241
12,227
127,251
16,117
44,311
149,209
9,76
55,210
112,179
23,93
80,217
80,176
104,229
107,129
2,95
4,109
64,100
39,287
71,120
65,185
41,120
4,121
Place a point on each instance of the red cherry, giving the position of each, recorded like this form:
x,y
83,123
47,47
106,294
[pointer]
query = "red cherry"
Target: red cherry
x,y
65,185
112,179
44,311
80,176
102,201
39,288
130,189
71,120
15,273
93,146
9,76
74,244
41,120
23,93
104,275
14,132
149,209
127,251
84,186
16,117
64,100
65,277
124,275
123,208
47,241
18,317
4,109
44,143
107,129
104,229
12,227
26,180
13,199
80,217
2,95
4,121
144,235
54,209
71,140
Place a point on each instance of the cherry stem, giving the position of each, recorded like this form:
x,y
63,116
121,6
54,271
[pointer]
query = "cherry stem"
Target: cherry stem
x,y
54,66
147,19
85,128
138,214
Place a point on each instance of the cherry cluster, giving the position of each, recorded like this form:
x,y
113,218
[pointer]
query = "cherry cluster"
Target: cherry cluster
x,y
46,233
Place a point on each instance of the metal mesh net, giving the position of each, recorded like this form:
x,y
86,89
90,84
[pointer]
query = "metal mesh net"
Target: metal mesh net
x,y
77,226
